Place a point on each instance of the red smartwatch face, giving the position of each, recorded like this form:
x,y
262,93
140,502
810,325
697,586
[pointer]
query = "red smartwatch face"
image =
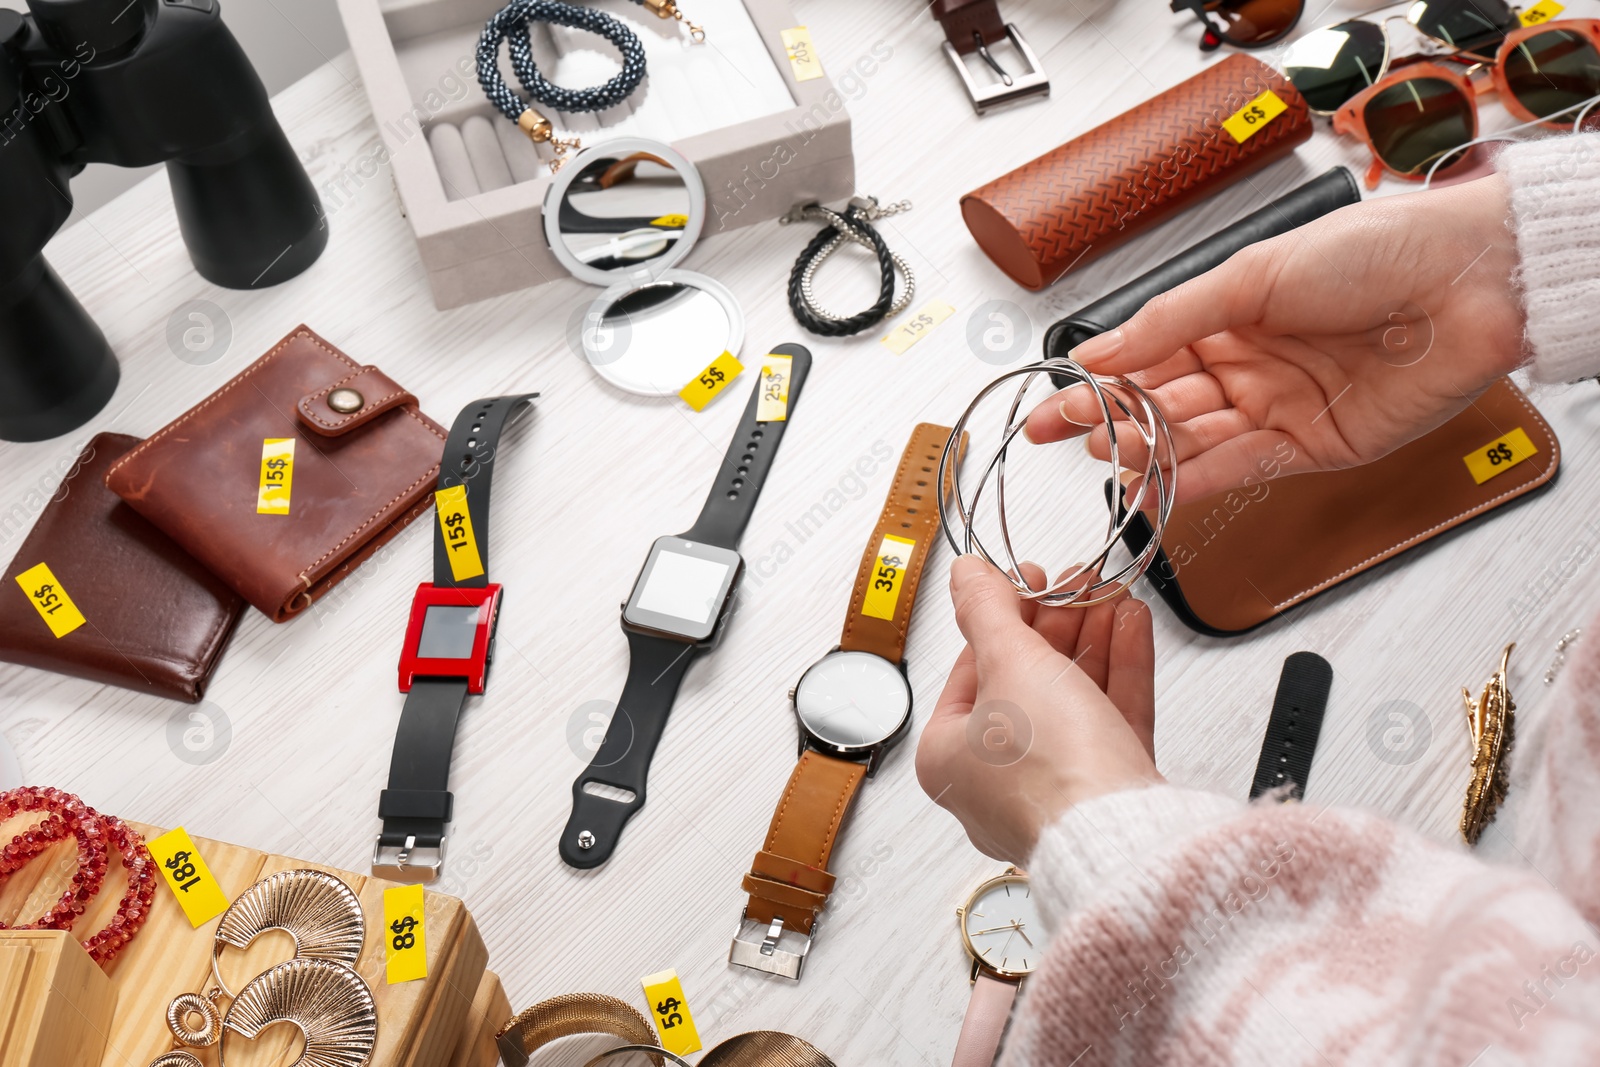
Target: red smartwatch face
x,y
448,636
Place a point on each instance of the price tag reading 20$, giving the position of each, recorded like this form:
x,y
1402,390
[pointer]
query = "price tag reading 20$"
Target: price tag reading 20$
x,y
1248,120
187,875
455,523
888,577
405,947
669,1010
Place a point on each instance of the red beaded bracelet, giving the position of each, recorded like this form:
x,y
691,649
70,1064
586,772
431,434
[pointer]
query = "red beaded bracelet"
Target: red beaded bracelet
x,y
96,834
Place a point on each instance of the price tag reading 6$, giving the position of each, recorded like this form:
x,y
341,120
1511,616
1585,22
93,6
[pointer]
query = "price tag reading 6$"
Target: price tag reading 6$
x,y
709,383
455,523
187,875
277,476
51,601
669,1009
1248,120
405,947
888,577
1499,455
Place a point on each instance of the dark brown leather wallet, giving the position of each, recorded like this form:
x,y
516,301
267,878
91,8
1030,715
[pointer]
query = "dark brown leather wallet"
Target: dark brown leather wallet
x,y
363,464
155,620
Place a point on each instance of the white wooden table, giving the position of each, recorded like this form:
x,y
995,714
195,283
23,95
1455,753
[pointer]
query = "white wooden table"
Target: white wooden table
x,y
311,706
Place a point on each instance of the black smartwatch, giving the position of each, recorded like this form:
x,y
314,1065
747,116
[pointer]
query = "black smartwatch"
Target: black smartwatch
x,y
449,645
678,608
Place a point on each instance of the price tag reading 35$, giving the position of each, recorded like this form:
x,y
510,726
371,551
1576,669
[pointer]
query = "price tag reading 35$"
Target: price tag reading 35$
x,y
669,1010
405,946
455,523
187,875
888,577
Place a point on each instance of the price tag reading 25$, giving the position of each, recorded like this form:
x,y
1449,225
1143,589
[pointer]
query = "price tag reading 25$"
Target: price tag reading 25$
x,y
455,523
187,875
888,577
405,946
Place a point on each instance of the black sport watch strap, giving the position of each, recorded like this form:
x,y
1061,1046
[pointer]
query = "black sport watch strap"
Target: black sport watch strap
x,y
748,460
1295,723
656,665
416,806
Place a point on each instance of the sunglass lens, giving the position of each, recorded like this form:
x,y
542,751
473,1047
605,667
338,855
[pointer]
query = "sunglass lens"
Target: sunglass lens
x,y
1415,122
1257,22
1552,71
1474,25
1331,65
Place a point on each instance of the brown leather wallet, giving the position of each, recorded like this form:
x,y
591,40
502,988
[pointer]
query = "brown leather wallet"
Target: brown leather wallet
x,y
155,620
364,464
1081,200
1236,560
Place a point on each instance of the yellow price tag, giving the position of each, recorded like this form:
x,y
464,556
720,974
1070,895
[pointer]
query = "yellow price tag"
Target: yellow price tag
x,y
669,1009
1248,120
1499,455
455,522
888,576
51,601
671,222
1543,11
706,385
917,326
277,475
773,405
405,947
187,875
803,59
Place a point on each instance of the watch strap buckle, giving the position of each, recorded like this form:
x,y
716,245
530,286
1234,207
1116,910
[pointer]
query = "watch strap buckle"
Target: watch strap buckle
x,y
406,865
761,946
1011,88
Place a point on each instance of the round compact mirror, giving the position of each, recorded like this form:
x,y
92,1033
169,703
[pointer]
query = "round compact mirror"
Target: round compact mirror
x,y
622,214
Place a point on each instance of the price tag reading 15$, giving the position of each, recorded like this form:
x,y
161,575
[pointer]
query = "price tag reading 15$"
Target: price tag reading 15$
x,y
405,947
455,523
277,476
51,601
669,1010
187,875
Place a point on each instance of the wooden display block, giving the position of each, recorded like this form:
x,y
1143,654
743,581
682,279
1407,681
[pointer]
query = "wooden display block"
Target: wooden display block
x,y
55,1003
433,1021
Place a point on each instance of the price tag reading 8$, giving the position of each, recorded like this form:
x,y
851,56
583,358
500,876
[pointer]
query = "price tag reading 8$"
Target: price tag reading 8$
x,y
1248,120
669,1010
405,946
1499,455
888,577
187,875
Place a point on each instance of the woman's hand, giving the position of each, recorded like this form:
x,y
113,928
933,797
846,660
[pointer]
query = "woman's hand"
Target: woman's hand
x,y
1327,347
1046,707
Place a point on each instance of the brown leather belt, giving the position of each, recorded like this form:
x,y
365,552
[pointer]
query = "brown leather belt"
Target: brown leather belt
x,y
972,26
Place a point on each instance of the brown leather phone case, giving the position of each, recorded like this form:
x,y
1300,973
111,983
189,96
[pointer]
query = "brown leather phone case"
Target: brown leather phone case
x,y
1083,199
1232,562
155,620
358,478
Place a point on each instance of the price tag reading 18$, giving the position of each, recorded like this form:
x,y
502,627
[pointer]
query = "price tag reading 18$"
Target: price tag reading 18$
x,y
709,383
803,59
773,405
887,578
917,326
1543,11
51,601
1248,120
455,522
187,875
277,475
670,1012
405,949
1499,455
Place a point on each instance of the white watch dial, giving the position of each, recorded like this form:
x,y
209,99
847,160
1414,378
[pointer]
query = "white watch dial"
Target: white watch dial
x,y
852,699
1001,926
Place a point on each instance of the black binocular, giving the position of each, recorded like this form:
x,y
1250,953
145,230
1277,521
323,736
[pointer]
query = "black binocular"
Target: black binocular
x,y
130,83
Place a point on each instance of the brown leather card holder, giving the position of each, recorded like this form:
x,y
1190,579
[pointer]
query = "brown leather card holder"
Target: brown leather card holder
x,y
155,620
364,464
1236,560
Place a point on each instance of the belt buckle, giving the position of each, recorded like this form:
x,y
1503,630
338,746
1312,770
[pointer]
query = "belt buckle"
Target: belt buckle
x,y
1010,88
757,945
405,867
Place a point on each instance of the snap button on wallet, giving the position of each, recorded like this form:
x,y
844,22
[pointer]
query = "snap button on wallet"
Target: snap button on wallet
x,y
364,464
155,620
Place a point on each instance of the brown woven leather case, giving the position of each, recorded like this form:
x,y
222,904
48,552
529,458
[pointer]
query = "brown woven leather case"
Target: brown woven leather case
x,y
1083,199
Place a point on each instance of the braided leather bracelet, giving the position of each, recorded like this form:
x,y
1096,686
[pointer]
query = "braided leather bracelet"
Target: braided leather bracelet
x,y
853,226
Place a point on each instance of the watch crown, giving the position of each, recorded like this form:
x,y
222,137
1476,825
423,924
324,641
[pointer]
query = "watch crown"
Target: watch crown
x,y
791,693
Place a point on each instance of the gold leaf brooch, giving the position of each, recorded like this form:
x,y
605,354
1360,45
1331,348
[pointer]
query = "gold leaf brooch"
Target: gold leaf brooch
x,y
1493,723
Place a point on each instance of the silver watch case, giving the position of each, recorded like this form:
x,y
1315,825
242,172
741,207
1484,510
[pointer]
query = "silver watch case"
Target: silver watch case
x,y
873,753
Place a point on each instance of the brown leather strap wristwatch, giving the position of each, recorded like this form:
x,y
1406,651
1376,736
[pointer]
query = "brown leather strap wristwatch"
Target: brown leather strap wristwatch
x,y
853,705
975,26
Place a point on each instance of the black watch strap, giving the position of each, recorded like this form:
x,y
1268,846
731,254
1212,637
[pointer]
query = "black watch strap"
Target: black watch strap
x,y
1296,721
749,458
416,806
656,666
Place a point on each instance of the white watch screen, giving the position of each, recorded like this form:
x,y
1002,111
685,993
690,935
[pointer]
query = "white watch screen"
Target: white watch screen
x,y
683,586
852,699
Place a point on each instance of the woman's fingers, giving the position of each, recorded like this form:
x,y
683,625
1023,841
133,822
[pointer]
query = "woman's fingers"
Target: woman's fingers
x,y
1131,681
1069,412
1255,455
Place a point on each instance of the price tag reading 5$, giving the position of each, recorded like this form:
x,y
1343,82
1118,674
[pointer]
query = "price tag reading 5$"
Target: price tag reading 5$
x,y
1499,455
455,523
51,601
187,875
887,577
670,1012
773,406
277,475
1248,120
405,948
1543,11
709,383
